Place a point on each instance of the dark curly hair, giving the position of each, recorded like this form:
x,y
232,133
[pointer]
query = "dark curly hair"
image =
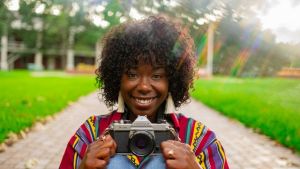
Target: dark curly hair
x,y
155,41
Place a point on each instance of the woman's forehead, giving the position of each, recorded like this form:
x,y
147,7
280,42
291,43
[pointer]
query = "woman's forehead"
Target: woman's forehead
x,y
153,66
154,61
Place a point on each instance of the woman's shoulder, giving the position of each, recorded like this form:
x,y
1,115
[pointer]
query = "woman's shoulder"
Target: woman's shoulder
x,y
194,132
192,124
186,120
89,130
95,125
113,115
104,115
203,142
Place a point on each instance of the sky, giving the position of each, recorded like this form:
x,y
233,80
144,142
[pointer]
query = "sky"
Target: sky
x,y
283,18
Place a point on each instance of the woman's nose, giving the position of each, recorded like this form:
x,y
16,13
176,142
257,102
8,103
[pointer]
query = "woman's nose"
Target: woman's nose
x,y
144,85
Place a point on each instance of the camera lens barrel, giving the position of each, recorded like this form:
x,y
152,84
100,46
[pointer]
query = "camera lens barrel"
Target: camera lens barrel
x,y
141,143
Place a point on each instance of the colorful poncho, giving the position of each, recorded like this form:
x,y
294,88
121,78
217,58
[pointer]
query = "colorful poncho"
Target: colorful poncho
x,y
208,150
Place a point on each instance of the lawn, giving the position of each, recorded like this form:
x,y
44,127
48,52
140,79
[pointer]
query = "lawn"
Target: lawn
x,y
271,106
28,96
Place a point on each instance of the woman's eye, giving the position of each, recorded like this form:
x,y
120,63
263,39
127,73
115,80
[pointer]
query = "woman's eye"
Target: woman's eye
x,y
157,76
131,75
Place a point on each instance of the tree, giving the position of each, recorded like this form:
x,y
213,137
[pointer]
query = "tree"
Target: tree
x,y
241,47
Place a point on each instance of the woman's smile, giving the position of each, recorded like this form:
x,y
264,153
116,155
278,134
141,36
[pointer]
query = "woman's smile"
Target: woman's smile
x,y
144,101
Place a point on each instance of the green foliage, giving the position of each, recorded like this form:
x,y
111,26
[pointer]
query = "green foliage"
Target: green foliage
x,y
89,37
271,105
55,34
114,6
29,96
56,28
92,34
241,48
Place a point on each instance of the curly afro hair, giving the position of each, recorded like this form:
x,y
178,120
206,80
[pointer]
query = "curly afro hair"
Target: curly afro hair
x,y
154,41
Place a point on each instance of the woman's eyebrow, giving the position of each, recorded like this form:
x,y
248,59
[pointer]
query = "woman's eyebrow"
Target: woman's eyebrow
x,y
158,67
132,67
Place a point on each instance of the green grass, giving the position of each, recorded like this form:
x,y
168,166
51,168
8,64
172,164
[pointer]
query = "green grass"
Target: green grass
x,y
28,96
271,106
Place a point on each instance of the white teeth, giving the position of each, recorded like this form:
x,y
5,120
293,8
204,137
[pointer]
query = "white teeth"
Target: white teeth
x,y
143,101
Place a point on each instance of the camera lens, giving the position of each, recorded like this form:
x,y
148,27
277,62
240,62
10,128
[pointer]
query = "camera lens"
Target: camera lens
x,y
141,143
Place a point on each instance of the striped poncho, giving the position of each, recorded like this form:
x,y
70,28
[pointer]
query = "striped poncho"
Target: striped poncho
x,y
208,150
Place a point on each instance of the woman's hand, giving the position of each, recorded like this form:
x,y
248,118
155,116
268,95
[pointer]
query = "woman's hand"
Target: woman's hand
x,y
98,153
178,155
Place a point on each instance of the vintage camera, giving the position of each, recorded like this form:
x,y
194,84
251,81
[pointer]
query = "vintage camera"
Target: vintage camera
x,y
140,137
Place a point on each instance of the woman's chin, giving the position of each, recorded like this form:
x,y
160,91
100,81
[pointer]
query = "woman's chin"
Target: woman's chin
x,y
142,114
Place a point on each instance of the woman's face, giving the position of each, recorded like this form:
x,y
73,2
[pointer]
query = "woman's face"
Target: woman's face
x,y
144,88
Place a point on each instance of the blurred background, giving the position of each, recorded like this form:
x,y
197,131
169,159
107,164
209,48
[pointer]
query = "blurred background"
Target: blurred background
x,y
248,56
232,37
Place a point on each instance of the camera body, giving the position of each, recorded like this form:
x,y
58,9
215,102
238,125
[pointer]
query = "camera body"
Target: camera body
x,y
140,137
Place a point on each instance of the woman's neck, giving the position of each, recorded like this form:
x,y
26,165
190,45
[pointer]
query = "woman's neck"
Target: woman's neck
x,y
154,119
132,117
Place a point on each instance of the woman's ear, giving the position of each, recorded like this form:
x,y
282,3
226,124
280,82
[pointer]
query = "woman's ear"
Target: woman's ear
x,y
120,103
170,106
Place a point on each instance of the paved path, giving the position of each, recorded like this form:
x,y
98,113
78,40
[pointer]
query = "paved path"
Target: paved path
x,y
43,149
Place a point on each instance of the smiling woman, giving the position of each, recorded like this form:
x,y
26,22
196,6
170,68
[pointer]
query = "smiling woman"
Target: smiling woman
x,y
147,68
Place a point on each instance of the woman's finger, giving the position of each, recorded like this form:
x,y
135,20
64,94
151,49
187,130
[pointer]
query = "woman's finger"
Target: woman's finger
x,y
104,154
172,164
104,142
168,150
104,148
110,143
